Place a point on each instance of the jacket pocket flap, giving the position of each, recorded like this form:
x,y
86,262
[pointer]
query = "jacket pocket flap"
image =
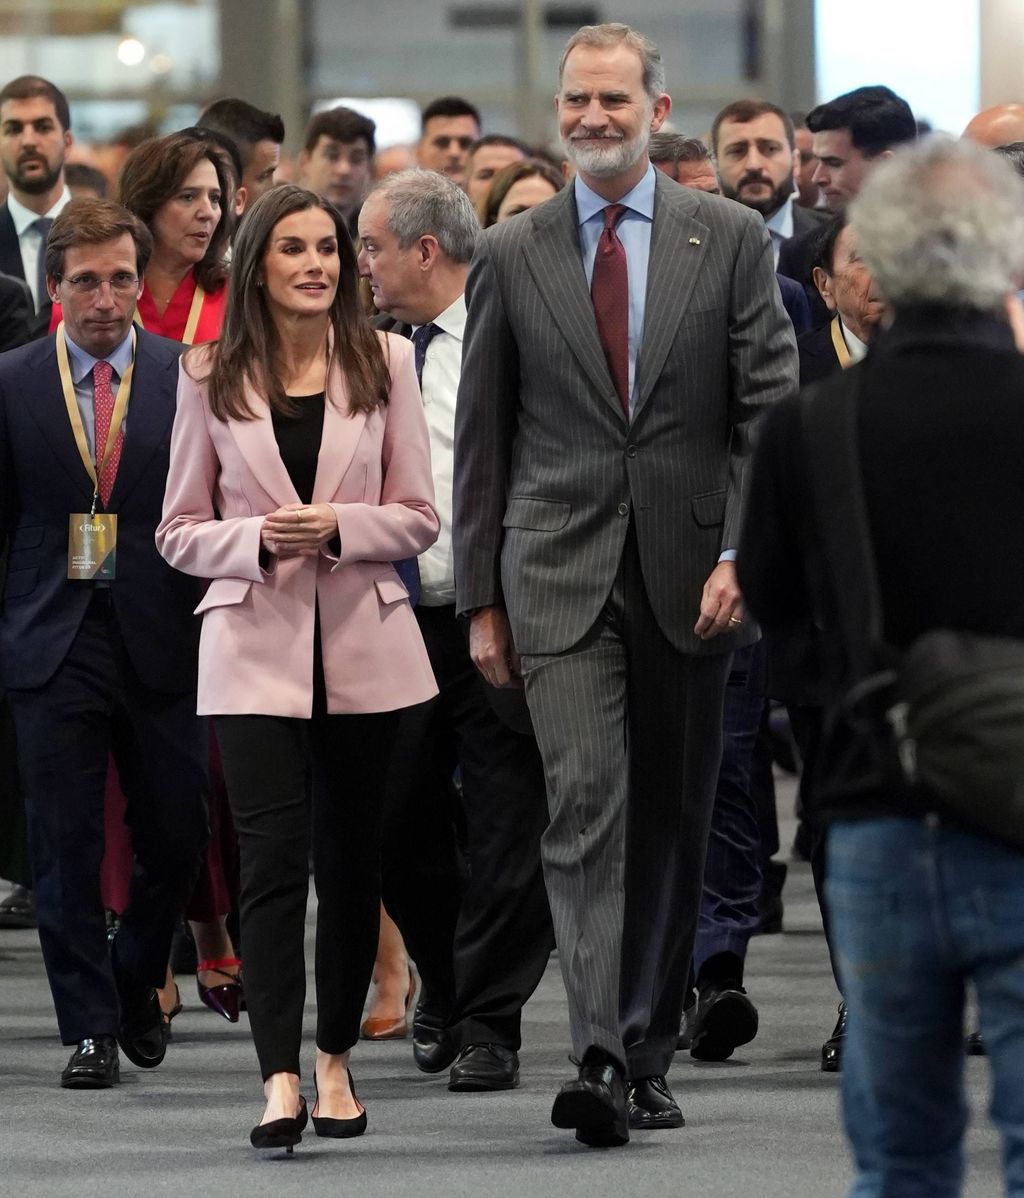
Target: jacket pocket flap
x,y
709,508
223,592
390,590
27,538
541,515
20,582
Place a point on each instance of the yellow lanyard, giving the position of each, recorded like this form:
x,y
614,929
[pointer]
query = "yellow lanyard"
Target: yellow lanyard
x,y
94,469
193,316
841,348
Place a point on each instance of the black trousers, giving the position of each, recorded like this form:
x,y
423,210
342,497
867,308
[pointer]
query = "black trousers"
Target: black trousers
x,y
481,937
291,784
95,705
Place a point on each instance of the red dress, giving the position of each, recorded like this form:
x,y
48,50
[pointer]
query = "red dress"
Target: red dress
x,y
217,884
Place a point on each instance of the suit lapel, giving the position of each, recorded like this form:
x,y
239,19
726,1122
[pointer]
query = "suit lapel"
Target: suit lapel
x,y
44,399
553,257
342,430
678,246
258,445
10,247
147,425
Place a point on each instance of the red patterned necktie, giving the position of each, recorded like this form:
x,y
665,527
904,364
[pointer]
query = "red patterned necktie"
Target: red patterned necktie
x,y
609,291
103,411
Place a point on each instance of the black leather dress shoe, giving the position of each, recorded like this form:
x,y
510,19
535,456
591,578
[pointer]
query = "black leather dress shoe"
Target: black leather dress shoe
x,y
650,1105
723,1020
432,1047
18,910
595,1105
485,1067
93,1065
832,1049
141,1032
685,1029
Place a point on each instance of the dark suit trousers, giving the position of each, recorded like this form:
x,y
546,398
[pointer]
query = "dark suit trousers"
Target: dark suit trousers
x,y
267,762
808,724
732,872
630,731
95,704
481,952
14,862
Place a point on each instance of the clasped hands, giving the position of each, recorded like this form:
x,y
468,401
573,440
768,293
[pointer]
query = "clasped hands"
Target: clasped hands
x,y
299,529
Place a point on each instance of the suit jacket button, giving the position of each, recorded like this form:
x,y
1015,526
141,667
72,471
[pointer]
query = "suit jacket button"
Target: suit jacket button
x,y
623,509
630,451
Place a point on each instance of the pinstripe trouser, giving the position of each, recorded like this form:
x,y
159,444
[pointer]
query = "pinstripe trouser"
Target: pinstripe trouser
x,y
630,732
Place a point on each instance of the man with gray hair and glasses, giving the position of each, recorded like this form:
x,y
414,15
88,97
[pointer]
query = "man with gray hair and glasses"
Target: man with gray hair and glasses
x,y
920,905
481,951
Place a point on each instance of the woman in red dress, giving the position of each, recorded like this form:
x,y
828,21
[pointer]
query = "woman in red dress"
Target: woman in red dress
x,y
182,186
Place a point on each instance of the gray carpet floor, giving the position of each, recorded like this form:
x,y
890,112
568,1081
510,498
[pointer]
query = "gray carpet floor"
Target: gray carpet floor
x,y
763,1125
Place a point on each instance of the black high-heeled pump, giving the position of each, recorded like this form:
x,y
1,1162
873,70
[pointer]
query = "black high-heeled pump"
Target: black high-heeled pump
x,y
281,1133
340,1129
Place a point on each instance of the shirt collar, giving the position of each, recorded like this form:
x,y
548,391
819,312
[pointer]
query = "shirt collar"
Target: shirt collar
x,y
858,349
780,224
23,217
82,361
452,320
639,200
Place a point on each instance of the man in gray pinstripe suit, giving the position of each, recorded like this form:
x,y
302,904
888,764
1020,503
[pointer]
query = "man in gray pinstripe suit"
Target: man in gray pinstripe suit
x,y
595,521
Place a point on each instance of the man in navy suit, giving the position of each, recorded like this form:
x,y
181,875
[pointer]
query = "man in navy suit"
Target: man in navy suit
x,y
104,664
35,135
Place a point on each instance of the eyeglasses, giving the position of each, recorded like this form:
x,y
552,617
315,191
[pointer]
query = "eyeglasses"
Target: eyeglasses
x,y
122,281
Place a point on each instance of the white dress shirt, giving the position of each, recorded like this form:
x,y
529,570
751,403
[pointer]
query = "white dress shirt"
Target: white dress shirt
x,y
29,239
442,368
858,349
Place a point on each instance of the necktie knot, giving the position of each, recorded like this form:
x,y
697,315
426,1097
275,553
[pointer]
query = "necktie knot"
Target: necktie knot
x,y
42,224
612,214
102,373
420,340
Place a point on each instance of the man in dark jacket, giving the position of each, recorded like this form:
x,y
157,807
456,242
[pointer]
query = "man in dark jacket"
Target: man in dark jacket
x,y
919,905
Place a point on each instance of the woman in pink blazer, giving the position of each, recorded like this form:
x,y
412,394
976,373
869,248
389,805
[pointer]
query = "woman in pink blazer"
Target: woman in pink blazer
x,y
300,470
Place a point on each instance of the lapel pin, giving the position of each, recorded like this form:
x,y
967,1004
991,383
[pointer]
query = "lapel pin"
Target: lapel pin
x,y
694,241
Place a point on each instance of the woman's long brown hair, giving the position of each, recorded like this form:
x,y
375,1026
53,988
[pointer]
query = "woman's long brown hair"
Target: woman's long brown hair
x,y
249,343
157,168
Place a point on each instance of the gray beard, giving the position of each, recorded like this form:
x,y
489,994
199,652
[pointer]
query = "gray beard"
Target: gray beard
x,y
608,161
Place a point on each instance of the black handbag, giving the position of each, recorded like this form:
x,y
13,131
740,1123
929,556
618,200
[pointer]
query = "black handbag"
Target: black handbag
x,y
945,717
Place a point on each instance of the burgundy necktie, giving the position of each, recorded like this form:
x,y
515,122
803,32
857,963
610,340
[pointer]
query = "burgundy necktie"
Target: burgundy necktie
x,y
103,410
609,290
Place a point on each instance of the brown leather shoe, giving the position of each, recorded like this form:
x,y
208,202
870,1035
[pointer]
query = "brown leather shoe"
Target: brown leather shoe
x,y
390,1029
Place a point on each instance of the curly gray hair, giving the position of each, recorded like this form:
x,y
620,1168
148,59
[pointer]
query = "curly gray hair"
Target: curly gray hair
x,y
942,223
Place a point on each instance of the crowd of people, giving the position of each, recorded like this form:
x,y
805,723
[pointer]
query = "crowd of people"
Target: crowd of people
x,y
441,521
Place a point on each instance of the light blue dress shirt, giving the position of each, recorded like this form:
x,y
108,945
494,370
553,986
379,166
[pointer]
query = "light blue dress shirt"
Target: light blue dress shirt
x,y
780,227
634,230
82,364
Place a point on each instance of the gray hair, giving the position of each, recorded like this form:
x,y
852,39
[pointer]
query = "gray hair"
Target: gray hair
x,y
615,34
422,202
677,147
942,223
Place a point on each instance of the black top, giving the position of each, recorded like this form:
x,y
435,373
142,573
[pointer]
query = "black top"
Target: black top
x,y
298,440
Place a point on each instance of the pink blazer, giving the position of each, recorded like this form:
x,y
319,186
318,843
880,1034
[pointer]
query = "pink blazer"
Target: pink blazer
x,y
256,647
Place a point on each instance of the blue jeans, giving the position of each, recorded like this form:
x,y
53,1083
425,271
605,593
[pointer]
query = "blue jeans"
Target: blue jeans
x,y
732,870
919,909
